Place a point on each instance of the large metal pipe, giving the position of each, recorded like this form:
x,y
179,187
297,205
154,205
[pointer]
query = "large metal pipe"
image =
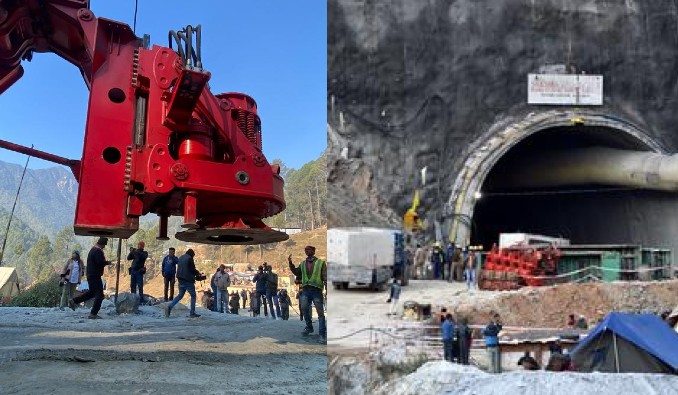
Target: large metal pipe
x,y
595,165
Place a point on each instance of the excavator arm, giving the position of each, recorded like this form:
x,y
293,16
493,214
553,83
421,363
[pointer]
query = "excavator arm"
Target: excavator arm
x,y
156,139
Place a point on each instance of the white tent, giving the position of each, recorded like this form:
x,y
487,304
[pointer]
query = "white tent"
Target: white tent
x,y
9,282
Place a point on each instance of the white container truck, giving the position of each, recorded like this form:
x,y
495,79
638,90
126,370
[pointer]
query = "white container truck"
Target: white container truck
x,y
360,256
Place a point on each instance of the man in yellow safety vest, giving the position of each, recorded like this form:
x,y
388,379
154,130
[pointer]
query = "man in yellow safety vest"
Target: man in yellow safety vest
x,y
313,273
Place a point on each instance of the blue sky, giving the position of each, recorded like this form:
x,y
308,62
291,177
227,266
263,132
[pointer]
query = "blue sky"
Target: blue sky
x,y
274,51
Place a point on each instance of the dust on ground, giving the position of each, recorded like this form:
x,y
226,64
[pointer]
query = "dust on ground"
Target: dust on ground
x,y
357,376
356,309
46,350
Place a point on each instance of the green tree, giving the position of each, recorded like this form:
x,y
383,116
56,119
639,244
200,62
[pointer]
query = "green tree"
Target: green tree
x,y
18,249
63,244
39,261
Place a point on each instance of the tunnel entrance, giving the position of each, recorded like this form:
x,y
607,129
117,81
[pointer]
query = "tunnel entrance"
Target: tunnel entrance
x,y
585,214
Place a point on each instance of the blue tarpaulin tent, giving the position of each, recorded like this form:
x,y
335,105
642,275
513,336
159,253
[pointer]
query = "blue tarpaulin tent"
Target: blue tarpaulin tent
x,y
625,342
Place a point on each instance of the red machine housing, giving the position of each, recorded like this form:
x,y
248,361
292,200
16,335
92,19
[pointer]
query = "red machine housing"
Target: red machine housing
x,y
517,266
156,139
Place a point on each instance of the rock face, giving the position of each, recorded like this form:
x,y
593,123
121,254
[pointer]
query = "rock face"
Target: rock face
x,y
442,84
127,303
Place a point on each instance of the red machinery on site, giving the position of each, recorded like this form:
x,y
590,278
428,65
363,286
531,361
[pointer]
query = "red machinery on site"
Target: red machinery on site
x,y
156,139
517,266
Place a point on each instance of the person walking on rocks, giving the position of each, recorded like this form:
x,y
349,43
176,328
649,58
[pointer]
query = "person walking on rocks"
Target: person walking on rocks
x,y
243,297
491,333
138,257
313,272
186,274
96,262
169,272
71,276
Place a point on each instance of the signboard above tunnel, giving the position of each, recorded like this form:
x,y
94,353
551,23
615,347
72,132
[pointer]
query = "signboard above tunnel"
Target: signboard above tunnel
x,y
565,89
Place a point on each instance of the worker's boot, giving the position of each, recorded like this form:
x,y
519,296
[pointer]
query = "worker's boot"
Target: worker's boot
x,y
71,304
307,331
168,310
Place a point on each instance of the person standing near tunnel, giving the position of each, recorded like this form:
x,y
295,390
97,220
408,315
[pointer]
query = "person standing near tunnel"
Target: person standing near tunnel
x,y
471,259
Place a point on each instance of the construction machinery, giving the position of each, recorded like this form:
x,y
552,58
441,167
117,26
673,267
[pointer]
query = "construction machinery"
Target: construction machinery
x,y
533,260
519,265
157,140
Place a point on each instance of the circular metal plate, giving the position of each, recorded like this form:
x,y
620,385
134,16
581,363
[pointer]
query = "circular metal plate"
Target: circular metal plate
x,y
230,236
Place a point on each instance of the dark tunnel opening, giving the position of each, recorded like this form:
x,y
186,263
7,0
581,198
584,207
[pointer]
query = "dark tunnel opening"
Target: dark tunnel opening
x,y
585,214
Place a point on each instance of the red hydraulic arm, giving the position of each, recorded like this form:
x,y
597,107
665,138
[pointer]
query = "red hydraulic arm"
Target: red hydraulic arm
x,y
156,139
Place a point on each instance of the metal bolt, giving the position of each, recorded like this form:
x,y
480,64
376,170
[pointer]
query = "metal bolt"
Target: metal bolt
x,y
85,14
242,177
179,171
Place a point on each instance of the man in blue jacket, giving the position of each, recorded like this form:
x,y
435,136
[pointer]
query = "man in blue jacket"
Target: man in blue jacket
x,y
260,279
491,333
447,329
169,272
186,274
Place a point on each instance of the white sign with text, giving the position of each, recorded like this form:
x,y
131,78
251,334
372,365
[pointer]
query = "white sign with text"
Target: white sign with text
x,y
565,89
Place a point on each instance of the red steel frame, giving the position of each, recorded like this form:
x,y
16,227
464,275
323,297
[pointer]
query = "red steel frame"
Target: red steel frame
x,y
156,139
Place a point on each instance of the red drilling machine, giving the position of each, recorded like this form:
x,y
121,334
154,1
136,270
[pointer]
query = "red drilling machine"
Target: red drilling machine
x,y
156,139
517,266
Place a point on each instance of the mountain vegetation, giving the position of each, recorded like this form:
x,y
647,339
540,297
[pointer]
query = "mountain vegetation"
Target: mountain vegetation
x,y
41,238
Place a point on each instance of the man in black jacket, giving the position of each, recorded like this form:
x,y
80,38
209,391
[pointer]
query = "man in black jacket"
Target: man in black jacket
x,y
138,257
96,262
186,273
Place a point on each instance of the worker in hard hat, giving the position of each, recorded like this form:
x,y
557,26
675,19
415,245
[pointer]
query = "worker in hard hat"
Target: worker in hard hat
x,y
138,257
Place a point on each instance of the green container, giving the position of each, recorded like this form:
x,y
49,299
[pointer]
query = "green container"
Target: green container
x,y
611,260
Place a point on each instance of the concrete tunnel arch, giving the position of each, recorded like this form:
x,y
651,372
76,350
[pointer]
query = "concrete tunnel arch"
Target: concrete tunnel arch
x,y
488,150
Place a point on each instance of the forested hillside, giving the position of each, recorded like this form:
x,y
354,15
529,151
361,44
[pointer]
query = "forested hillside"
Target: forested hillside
x,y
41,233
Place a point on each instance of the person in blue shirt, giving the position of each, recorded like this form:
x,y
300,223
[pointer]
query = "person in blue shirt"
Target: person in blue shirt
x,y
447,328
491,333
169,272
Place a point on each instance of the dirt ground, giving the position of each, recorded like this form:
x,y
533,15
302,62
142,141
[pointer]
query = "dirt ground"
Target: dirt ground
x,y
61,352
542,307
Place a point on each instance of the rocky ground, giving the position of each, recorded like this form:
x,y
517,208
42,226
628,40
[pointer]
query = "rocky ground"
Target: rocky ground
x,y
357,376
355,369
541,307
61,352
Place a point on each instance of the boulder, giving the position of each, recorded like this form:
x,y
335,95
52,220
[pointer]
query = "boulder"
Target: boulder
x,y
127,303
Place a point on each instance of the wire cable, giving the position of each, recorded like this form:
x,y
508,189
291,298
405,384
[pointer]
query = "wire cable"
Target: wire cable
x,y
136,7
11,214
